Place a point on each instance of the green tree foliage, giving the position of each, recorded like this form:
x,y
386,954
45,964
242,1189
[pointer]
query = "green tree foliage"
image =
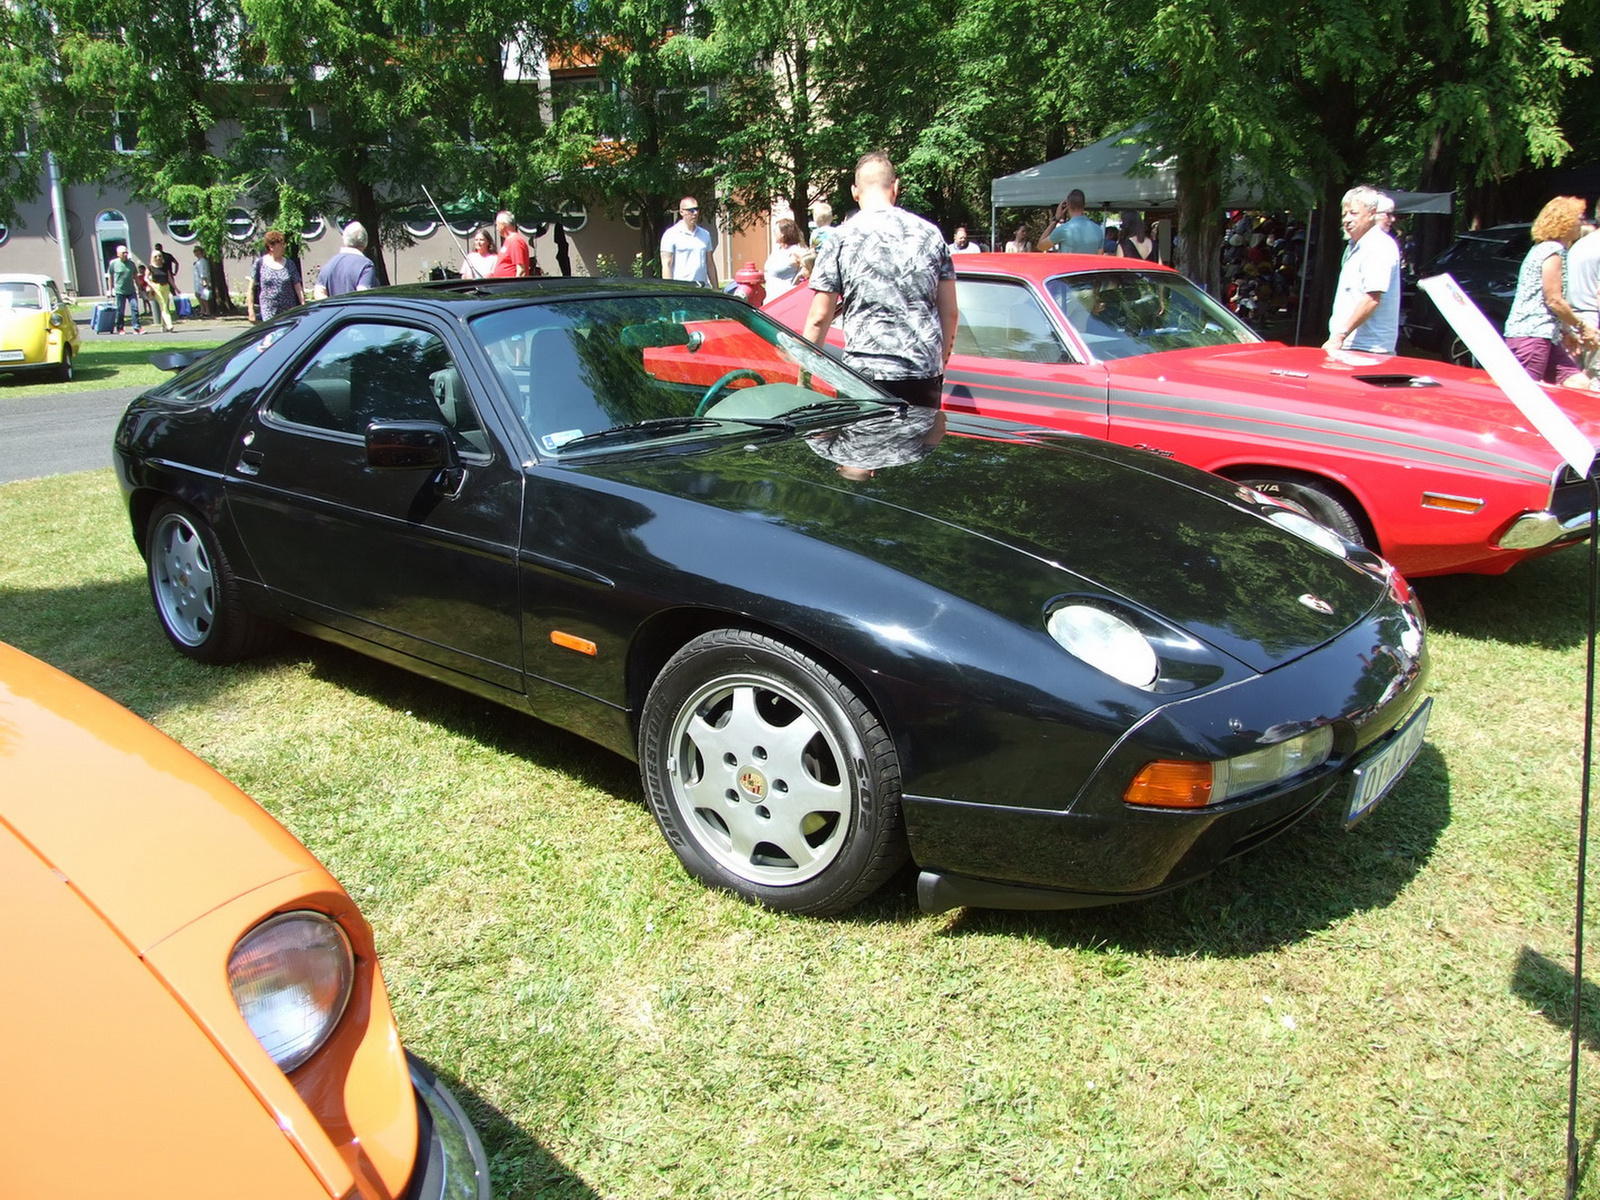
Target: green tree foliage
x,y
640,138
746,101
157,77
378,76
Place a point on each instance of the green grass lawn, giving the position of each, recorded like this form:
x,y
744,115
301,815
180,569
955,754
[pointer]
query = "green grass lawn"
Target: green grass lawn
x,y
1380,1013
104,363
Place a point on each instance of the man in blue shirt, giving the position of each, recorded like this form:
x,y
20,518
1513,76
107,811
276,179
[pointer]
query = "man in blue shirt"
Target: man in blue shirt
x,y
349,270
1077,234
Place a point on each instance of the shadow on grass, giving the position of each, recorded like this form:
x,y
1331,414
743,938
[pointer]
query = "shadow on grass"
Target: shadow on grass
x,y
1546,986
1540,603
495,726
1309,878
518,1164
107,635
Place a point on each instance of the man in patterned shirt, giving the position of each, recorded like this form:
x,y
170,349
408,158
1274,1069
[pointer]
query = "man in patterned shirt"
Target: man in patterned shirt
x,y
890,273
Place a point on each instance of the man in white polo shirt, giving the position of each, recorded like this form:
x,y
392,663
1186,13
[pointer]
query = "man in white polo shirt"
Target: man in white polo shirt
x,y
686,248
1583,282
1366,305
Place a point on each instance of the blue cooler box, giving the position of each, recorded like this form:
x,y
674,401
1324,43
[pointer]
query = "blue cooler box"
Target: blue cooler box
x,y
104,318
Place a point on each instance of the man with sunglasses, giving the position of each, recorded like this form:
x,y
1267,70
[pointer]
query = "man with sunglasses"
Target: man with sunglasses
x,y
686,248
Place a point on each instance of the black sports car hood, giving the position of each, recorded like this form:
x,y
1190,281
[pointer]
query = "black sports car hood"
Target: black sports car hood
x,y
1010,520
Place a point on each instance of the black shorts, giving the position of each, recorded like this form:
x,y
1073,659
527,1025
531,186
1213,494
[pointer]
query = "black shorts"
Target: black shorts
x,y
924,393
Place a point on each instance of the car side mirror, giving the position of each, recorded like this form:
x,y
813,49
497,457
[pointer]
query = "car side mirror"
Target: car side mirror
x,y
410,446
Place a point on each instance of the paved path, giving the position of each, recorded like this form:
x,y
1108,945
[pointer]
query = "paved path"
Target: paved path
x,y
55,434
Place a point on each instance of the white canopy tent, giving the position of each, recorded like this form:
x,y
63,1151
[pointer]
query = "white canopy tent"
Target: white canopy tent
x,y
1101,172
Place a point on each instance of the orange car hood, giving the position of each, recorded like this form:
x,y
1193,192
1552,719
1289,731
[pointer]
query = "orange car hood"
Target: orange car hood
x,y
146,835
111,1088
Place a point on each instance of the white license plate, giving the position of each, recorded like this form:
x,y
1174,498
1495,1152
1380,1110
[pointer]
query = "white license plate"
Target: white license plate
x,y
1371,781
12,355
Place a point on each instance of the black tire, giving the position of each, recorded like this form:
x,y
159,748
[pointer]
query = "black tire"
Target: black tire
x,y
749,802
64,368
1316,500
195,592
1456,351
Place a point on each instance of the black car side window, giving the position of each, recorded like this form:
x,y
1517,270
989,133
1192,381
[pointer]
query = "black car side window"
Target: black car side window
x,y
373,371
1005,320
215,373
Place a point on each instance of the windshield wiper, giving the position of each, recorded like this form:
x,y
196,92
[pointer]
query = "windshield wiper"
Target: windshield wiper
x,y
818,409
641,431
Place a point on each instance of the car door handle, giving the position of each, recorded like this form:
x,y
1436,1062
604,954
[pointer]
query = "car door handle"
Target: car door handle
x,y
250,462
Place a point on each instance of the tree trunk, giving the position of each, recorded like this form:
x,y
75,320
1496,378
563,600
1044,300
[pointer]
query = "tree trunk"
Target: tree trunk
x,y
651,227
1324,253
563,248
1200,217
1432,232
364,202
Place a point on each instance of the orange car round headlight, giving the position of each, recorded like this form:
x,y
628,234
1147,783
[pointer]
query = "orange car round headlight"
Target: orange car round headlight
x,y
291,978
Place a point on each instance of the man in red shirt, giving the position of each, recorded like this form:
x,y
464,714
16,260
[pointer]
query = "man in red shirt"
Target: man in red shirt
x,y
512,261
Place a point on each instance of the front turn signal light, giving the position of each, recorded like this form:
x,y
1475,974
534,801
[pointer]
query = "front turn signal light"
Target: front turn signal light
x,y
1171,784
1183,783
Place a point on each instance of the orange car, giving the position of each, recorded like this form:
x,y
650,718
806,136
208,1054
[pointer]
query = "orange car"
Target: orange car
x,y
189,1001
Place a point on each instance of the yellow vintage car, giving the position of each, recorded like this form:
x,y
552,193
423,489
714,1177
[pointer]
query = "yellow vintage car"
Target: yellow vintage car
x,y
37,332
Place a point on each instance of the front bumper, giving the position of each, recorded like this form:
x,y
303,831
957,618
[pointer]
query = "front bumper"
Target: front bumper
x,y
1533,530
451,1164
1093,848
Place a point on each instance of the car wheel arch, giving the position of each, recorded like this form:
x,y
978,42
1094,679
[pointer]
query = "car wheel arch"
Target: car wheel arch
x,y
665,633
144,500
1337,489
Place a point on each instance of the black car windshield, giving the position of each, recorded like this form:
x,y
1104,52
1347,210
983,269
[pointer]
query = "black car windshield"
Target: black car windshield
x,y
1121,314
610,371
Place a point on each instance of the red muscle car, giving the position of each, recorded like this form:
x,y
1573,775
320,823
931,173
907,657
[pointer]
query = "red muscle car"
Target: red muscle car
x,y
1428,463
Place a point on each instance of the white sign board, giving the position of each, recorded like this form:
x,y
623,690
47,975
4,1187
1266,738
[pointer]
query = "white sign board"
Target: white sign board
x,y
1490,349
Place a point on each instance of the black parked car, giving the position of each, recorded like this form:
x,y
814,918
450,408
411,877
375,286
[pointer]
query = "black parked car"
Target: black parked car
x,y
832,631
1485,263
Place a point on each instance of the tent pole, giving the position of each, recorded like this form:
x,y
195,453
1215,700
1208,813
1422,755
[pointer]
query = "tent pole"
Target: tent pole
x,y
1305,260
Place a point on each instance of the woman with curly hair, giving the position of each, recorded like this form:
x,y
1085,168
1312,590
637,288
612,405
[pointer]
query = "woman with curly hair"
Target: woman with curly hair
x,y
1542,330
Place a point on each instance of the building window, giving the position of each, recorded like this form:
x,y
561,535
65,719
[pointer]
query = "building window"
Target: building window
x,y
279,127
181,229
572,215
569,91
420,224
312,229
5,233
74,228
240,225
124,132
632,216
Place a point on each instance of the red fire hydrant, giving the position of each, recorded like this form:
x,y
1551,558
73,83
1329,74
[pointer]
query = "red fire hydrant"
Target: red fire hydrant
x,y
752,284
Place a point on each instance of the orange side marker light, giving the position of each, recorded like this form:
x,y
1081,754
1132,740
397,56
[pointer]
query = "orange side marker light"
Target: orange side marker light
x,y
573,642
